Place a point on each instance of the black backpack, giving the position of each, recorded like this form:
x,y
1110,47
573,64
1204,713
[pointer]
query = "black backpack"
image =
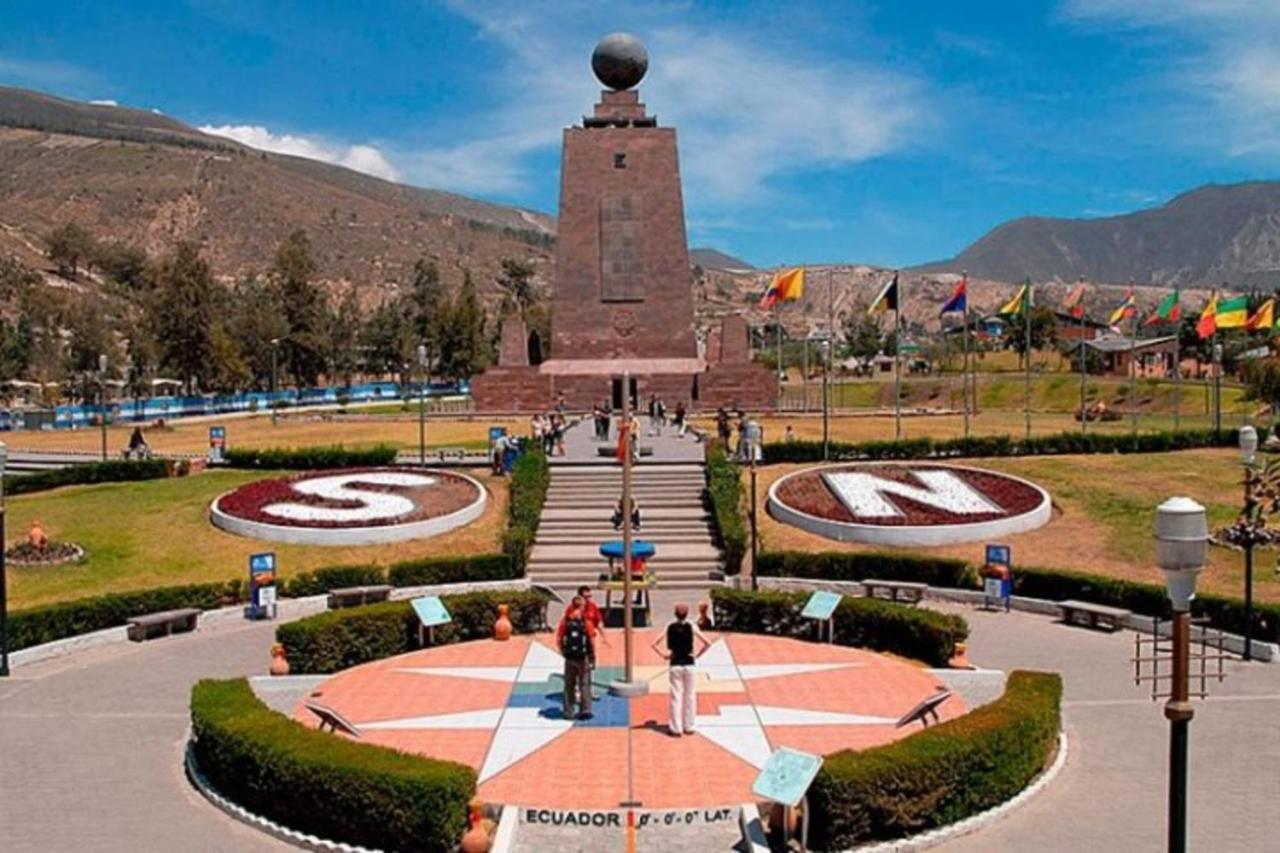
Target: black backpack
x,y
575,644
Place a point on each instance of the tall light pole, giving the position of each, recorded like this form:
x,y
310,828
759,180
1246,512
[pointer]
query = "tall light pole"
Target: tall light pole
x,y
1182,537
4,580
1248,447
826,405
275,412
422,405
629,687
102,401
1217,388
755,441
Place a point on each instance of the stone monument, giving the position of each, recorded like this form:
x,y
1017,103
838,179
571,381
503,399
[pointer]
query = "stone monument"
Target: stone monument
x,y
622,297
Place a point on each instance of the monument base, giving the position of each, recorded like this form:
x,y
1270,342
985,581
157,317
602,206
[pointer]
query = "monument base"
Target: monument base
x,y
629,689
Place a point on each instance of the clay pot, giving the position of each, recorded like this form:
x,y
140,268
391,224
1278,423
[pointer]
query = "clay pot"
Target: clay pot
x,y
502,628
961,658
279,665
475,839
704,619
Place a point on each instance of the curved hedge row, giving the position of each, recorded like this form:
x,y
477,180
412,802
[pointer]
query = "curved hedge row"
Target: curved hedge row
x,y
1072,441
943,774
882,626
338,639
113,471
310,458
530,479
724,494
322,784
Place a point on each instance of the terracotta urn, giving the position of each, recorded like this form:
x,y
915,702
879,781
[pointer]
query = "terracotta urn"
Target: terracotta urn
x,y
475,839
704,618
502,627
36,535
961,658
279,664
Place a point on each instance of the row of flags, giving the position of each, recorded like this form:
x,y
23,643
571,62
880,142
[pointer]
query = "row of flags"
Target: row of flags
x,y
1218,313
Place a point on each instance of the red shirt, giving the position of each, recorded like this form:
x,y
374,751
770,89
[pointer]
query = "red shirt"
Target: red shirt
x,y
591,614
586,619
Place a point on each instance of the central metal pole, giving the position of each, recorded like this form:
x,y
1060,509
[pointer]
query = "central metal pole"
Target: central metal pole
x,y
1179,712
627,439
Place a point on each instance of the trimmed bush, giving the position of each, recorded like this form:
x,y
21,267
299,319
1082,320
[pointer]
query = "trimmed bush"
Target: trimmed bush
x,y
310,458
724,499
882,626
322,784
1002,445
114,471
437,570
338,639
942,774
530,479
320,581
37,625
860,565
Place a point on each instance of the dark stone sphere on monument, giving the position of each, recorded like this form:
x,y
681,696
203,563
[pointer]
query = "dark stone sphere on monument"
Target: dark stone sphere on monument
x,y
620,61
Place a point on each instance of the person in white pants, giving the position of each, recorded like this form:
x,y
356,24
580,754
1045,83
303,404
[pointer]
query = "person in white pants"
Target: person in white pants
x,y
679,641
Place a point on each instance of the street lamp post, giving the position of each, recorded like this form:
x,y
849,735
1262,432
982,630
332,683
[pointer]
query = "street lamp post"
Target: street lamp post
x,y
275,411
1182,537
4,580
826,406
1217,388
755,440
102,401
422,406
1248,447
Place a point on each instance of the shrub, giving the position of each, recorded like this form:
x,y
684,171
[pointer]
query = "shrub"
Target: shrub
x,y
859,565
338,639
311,458
883,626
115,471
530,479
322,784
50,622
320,581
724,498
1001,445
437,570
940,775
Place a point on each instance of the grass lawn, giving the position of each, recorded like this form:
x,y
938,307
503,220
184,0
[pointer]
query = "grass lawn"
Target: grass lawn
x,y
157,533
1104,516
356,430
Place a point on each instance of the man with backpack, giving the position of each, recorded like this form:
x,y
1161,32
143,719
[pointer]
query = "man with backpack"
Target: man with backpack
x,y
575,636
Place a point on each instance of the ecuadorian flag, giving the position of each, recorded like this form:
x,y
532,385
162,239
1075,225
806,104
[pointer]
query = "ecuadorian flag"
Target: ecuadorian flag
x,y
786,286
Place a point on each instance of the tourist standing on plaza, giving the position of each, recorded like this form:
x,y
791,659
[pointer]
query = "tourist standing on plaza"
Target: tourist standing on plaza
x,y
575,637
722,427
594,618
681,424
679,640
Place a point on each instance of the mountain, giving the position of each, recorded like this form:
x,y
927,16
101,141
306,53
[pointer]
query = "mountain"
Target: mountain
x,y
716,260
1207,236
150,180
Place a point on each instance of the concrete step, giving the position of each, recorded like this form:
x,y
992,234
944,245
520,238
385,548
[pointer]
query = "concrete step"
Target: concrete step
x,y
572,582
589,551
660,540
601,526
650,515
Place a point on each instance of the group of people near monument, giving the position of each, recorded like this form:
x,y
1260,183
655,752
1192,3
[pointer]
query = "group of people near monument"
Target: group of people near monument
x,y
581,630
548,432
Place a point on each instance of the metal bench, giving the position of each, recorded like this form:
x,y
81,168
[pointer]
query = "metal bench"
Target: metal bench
x,y
1095,615
162,624
906,591
354,596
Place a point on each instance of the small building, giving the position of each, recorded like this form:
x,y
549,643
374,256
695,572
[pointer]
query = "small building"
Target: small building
x,y
1070,328
1148,357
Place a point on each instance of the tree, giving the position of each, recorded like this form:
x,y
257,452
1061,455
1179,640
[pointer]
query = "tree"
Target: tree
x,y
427,303
69,247
255,317
305,309
1044,330
516,281
182,313
388,338
464,351
228,370
863,337
123,264
344,338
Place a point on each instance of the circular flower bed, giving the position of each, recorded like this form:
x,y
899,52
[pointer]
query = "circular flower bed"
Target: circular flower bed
x,y
351,507
48,554
908,503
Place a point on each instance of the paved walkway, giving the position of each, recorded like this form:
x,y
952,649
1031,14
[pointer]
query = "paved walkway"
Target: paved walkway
x,y
90,748
582,448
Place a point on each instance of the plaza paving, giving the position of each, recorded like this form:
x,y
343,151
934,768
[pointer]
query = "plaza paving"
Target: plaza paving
x,y
91,746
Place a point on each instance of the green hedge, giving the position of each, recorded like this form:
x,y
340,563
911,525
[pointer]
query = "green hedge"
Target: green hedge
x,y
530,480
337,639
942,774
724,496
437,570
859,565
44,624
114,471
310,458
1003,445
882,626
323,784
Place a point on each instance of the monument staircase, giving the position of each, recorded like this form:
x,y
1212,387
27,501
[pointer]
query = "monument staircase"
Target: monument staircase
x,y
668,488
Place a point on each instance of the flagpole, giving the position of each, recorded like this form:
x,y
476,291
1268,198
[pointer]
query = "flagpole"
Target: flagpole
x,y
805,365
831,332
1026,381
1177,361
1083,419
1133,369
777,322
964,342
897,360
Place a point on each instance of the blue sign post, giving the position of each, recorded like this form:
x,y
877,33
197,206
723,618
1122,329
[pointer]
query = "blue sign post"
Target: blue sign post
x,y
997,577
262,586
217,443
820,607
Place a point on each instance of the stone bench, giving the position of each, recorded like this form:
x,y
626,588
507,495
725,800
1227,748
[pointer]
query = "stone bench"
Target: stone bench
x,y
354,596
1096,615
162,624
907,591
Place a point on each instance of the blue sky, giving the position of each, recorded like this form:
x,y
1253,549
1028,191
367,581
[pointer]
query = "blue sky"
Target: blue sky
x,y
891,133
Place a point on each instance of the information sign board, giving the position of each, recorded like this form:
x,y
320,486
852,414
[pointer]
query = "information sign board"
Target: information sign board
x,y
431,611
821,605
787,776
1000,555
262,579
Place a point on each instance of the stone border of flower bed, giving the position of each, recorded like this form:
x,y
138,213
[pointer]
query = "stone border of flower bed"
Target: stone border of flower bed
x,y
351,535
908,535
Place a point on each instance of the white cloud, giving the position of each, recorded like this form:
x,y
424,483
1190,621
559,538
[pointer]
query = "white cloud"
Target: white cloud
x,y
105,102
749,108
1233,65
361,158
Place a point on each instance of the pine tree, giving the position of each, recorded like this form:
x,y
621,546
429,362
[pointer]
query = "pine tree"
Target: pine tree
x,y
255,319
464,350
305,307
427,300
182,315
